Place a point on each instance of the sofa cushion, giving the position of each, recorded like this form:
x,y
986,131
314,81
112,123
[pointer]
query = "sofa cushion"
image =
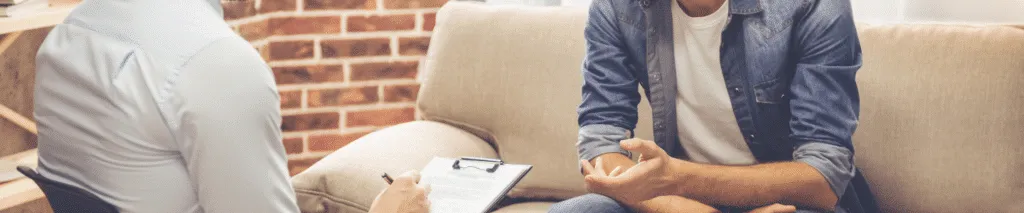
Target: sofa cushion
x,y
942,117
512,75
349,179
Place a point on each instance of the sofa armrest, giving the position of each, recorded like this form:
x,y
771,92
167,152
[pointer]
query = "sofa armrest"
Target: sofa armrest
x,y
349,179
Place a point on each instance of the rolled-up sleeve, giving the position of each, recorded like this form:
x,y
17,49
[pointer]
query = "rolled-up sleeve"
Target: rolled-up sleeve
x,y
598,139
608,112
835,163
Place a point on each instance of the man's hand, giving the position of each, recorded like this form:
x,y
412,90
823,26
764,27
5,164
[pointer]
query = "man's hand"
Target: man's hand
x,y
775,208
403,196
606,163
610,161
655,175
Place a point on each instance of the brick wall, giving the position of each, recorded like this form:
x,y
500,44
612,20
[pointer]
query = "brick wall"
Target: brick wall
x,y
344,67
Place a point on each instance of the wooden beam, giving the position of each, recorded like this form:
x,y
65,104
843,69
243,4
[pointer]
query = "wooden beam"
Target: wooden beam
x,y
25,158
38,19
17,119
11,37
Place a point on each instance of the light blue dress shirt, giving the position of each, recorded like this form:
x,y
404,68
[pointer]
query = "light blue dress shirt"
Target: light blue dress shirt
x,y
158,106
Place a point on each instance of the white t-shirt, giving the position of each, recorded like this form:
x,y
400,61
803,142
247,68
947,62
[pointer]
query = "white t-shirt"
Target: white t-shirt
x,y
707,126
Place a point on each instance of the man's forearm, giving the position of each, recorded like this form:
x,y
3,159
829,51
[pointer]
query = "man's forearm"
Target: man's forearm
x,y
793,183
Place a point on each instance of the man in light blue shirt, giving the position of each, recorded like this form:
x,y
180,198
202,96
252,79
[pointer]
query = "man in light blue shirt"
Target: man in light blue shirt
x,y
158,106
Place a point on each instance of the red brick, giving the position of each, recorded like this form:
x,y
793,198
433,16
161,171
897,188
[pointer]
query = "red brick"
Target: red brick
x,y
343,96
267,6
283,50
254,30
402,4
401,93
413,45
238,9
429,20
340,4
309,74
291,99
381,23
296,166
377,71
292,145
355,47
301,122
331,142
380,117
305,25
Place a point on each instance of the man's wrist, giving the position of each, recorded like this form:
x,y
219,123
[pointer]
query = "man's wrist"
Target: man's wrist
x,y
681,171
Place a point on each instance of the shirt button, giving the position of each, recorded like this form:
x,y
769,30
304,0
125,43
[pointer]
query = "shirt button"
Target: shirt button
x,y
737,89
751,136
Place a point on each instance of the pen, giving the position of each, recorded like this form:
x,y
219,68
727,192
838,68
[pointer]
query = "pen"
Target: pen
x,y
387,178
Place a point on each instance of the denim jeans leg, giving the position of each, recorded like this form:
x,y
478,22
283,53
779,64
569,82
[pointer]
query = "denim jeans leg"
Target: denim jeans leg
x,y
589,203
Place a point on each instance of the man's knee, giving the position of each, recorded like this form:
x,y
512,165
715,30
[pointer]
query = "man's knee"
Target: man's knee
x,y
589,203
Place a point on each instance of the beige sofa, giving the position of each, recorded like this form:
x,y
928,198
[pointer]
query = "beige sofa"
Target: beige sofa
x,y
942,114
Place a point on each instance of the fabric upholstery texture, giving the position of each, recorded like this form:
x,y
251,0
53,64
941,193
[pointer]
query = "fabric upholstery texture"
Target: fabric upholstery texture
x,y
942,117
941,125
349,179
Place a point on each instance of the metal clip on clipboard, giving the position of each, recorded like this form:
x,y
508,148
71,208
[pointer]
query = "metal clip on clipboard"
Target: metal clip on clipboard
x,y
497,163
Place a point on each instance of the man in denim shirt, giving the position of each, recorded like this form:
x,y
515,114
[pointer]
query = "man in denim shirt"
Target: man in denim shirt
x,y
754,105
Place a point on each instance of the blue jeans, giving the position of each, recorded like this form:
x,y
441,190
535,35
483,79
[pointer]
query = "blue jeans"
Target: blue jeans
x,y
589,203
595,203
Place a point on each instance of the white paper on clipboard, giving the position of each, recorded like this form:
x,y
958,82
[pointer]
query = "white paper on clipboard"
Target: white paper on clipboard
x,y
470,189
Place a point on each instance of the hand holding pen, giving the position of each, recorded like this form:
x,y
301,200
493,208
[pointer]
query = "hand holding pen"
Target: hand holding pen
x,y
403,195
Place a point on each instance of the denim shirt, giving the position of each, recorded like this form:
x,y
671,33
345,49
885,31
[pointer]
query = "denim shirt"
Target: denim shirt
x,y
789,67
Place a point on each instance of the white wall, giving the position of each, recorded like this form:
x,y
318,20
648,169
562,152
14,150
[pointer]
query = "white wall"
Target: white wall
x,y
877,10
575,3
973,11
526,2
950,11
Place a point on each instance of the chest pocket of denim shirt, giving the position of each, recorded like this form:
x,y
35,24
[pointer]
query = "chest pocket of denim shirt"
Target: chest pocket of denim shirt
x,y
773,116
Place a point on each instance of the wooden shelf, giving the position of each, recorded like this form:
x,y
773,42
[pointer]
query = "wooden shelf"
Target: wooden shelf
x,y
48,17
20,191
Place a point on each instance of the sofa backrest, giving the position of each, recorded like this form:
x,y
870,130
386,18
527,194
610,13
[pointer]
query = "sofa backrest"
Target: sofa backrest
x,y
942,117
942,112
511,74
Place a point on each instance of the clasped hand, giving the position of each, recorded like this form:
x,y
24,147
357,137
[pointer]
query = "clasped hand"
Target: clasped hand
x,y
654,175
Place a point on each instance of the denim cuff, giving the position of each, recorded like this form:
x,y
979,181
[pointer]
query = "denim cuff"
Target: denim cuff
x,y
597,139
835,163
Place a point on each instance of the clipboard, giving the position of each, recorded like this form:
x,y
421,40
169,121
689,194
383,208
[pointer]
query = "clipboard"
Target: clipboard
x,y
470,184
